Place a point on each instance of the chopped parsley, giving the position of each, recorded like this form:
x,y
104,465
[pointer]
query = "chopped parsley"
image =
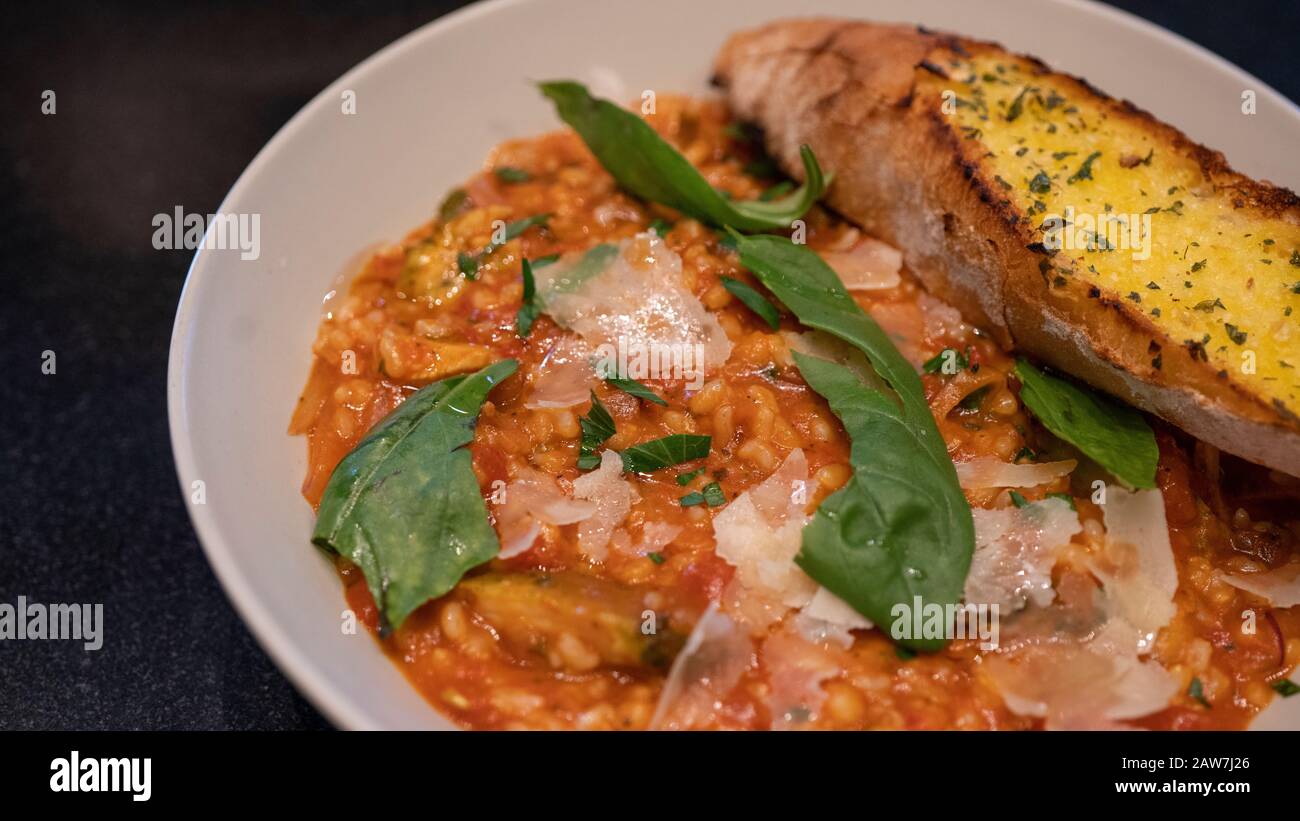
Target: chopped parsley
x,y
635,388
959,361
711,495
509,174
597,426
685,479
1286,688
1085,170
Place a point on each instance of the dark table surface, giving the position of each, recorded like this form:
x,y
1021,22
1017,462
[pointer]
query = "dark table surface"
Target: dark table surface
x,y
162,104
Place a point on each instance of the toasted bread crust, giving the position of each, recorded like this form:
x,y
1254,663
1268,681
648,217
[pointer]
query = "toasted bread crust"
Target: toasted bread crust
x,y
903,172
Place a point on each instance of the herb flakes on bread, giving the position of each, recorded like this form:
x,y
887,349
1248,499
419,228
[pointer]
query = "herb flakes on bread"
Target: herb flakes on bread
x,y
1070,225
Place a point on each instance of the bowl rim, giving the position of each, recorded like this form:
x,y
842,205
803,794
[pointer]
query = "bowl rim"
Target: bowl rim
x,y
298,666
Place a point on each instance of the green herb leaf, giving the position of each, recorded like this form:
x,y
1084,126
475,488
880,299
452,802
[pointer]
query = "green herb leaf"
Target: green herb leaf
x,y
593,262
453,205
532,308
469,263
900,529
648,457
405,505
1018,499
515,229
1064,497
1197,692
948,355
657,558
1286,688
508,174
1112,434
901,526
974,399
685,479
597,426
636,389
711,494
1085,170
779,190
754,301
648,167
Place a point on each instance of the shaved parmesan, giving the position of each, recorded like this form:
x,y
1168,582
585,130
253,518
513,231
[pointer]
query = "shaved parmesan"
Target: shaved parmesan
x,y
988,471
518,533
1280,587
563,378
760,532
1015,550
636,311
1081,687
827,607
716,654
796,670
1077,664
828,619
867,266
654,537
531,500
613,497
1137,566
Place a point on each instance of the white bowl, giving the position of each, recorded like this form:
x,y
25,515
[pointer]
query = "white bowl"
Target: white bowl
x,y
331,185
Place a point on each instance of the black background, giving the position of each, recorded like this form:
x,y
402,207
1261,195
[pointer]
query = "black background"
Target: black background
x,y
162,104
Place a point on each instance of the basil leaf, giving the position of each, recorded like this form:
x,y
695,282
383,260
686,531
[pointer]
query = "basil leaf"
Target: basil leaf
x,y
636,389
1064,497
1286,688
532,308
592,263
712,494
779,190
469,263
405,505
648,457
955,360
685,479
754,301
901,527
509,174
515,229
455,204
597,426
648,167
1112,434
813,292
